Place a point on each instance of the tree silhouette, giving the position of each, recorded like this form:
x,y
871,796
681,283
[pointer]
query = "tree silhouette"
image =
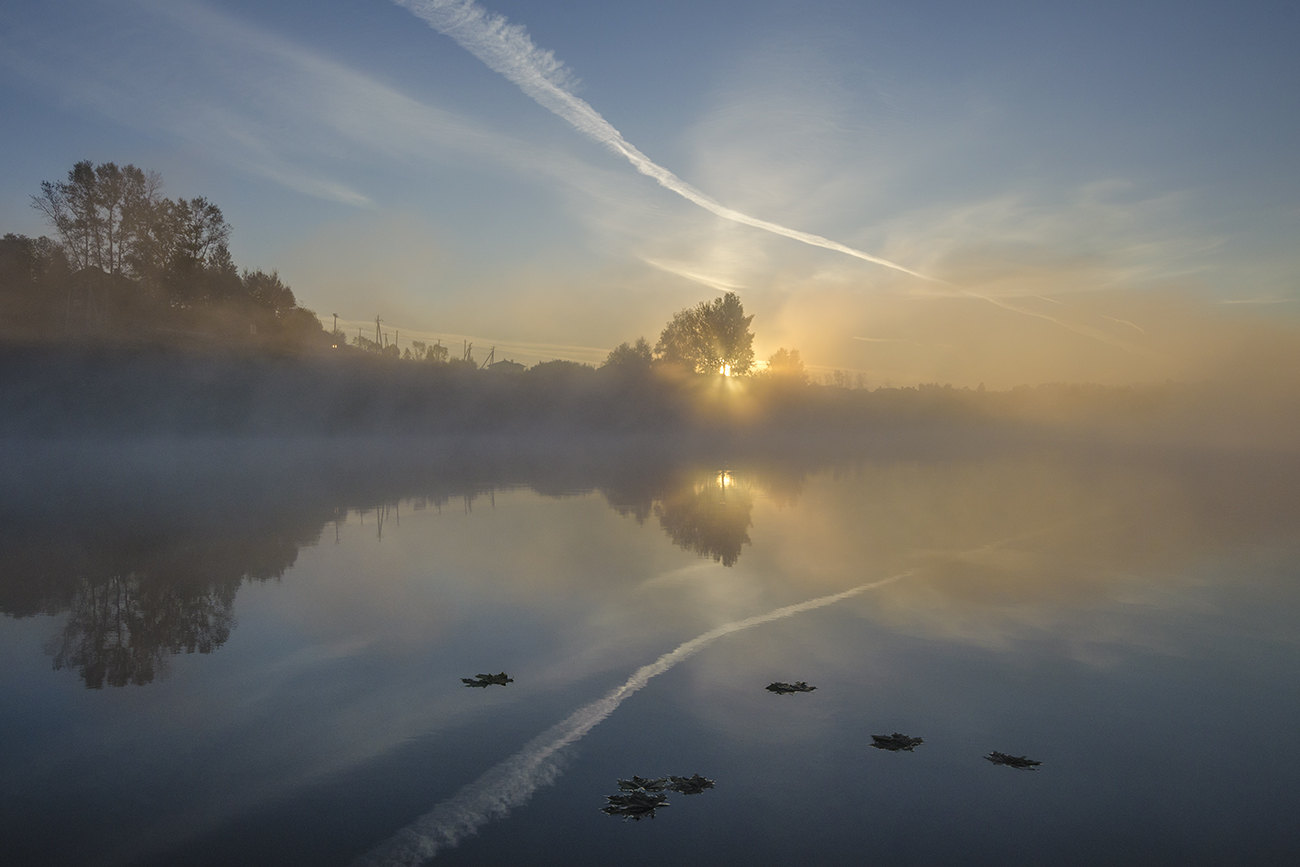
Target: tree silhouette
x,y
269,291
786,365
629,358
711,337
100,212
128,263
32,274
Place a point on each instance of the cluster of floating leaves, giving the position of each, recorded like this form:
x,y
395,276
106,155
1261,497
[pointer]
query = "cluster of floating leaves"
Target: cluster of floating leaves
x,y
639,797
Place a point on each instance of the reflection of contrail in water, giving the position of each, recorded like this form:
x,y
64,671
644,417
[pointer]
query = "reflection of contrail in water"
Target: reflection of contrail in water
x,y
512,782
506,48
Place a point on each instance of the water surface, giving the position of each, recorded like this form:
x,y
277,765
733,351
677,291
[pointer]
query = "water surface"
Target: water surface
x,y
214,655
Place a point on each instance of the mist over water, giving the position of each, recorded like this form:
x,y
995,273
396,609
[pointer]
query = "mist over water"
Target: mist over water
x,y
289,622
971,536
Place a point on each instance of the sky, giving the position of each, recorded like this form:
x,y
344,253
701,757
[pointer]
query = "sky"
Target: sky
x,y
940,191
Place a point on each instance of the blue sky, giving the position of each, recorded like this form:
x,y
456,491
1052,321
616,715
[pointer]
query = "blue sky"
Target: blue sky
x,y
1098,191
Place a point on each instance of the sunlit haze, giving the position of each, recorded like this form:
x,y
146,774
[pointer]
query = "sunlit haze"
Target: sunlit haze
x,y
920,192
840,431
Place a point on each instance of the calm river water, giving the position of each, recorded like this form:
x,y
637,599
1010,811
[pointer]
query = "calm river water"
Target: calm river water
x,y
208,658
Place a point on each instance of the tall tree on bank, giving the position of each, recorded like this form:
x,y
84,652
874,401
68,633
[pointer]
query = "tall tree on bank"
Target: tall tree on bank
x,y
112,219
100,212
711,337
129,262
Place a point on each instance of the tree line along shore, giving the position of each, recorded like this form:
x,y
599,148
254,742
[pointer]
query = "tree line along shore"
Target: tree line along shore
x,y
128,266
133,317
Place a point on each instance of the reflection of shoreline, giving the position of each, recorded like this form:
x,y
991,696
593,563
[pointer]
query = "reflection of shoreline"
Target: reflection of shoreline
x,y
147,543
141,587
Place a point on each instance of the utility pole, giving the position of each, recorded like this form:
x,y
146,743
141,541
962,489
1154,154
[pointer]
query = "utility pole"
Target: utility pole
x,y
336,323
379,338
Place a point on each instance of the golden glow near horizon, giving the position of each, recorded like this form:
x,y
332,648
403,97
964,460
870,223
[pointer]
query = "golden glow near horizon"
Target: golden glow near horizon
x,y
1101,268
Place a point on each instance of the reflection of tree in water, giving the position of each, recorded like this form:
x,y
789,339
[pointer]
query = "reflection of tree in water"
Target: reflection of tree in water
x,y
708,513
710,517
148,565
139,590
122,630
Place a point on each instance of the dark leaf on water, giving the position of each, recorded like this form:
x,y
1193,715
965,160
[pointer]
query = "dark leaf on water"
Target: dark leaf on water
x,y
895,742
1019,762
635,805
692,785
657,784
782,688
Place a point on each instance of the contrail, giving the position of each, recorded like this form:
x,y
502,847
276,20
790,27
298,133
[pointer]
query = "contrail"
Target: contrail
x,y
1086,331
507,48
512,782
1125,322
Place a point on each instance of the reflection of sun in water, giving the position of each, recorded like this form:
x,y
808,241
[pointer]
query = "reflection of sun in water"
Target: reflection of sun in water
x,y
720,483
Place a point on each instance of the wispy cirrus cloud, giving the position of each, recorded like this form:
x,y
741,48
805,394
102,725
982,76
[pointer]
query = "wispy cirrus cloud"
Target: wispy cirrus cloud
x,y
1269,299
258,101
695,274
507,48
